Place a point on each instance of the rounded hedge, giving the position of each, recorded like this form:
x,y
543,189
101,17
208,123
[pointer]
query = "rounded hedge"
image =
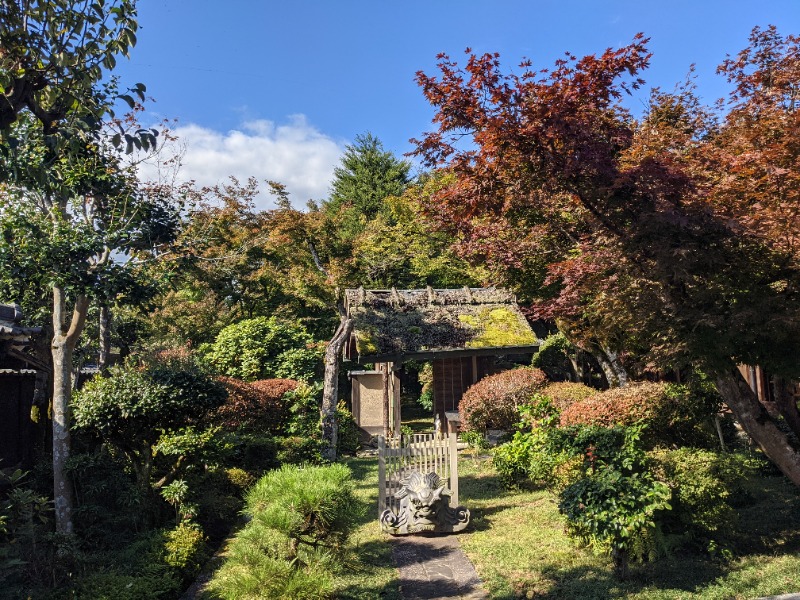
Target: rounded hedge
x,y
265,348
254,405
674,414
493,402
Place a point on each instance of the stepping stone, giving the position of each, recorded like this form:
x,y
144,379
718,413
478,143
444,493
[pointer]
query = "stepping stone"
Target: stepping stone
x,y
433,567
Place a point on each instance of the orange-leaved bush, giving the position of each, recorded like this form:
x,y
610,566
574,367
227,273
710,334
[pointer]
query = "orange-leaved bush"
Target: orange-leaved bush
x,y
254,404
674,414
492,403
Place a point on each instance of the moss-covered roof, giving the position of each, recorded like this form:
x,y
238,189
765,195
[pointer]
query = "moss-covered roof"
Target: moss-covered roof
x,y
414,323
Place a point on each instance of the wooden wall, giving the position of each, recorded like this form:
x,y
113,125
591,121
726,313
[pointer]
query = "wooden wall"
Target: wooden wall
x,y
17,431
452,377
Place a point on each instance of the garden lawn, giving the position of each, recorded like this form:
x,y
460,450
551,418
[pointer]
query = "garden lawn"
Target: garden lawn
x,y
519,548
370,573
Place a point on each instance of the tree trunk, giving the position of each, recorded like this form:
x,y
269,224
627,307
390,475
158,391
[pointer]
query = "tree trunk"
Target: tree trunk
x,y
620,558
617,369
609,362
62,348
105,338
576,363
333,356
755,420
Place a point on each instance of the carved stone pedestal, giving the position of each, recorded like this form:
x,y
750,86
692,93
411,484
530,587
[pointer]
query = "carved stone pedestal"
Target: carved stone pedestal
x,y
424,506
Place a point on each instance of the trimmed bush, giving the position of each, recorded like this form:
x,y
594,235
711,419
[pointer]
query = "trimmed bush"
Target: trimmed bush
x,y
300,519
493,402
185,550
256,404
139,407
702,483
265,348
674,414
564,394
347,441
553,357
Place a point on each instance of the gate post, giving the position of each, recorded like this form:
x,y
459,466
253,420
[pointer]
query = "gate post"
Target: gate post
x,y
381,473
453,466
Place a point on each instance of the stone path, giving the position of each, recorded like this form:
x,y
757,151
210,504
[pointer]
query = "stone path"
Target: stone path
x,y
433,567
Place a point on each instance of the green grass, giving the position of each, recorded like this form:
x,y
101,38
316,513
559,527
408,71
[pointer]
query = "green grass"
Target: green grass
x,y
370,574
517,543
416,417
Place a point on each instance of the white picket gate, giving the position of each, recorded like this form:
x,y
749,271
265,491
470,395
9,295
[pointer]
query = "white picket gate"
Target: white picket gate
x,y
423,452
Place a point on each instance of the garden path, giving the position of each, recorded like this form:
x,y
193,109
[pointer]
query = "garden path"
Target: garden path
x,y
433,567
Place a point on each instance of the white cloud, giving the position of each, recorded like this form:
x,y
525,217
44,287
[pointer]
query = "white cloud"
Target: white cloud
x,y
294,154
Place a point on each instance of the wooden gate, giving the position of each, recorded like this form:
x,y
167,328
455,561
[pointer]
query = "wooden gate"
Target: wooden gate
x,y
423,452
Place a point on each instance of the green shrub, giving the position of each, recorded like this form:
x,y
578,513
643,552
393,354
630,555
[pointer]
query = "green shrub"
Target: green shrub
x,y
185,550
298,450
25,517
138,405
255,452
493,402
615,504
300,518
512,460
426,380
425,400
265,348
553,357
475,439
157,564
703,484
239,478
348,440
115,586
615,510
564,394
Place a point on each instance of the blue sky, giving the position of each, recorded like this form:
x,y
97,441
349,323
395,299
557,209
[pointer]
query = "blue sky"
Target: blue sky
x,y
276,89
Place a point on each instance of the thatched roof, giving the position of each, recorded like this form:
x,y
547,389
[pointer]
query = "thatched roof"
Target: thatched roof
x,y
404,324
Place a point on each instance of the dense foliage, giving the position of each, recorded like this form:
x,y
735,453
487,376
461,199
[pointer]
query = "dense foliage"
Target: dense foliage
x,y
264,348
614,495
656,242
564,394
257,404
493,402
137,405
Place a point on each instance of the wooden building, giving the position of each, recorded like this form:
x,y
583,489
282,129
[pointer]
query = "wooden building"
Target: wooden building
x,y
23,397
460,330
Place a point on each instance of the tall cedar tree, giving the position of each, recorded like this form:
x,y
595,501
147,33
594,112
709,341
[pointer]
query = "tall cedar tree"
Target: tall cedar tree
x,y
674,236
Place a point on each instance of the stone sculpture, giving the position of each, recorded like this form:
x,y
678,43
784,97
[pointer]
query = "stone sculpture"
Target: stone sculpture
x,y
424,506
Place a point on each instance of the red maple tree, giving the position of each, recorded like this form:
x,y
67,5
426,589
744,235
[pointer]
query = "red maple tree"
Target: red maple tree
x,y
673,235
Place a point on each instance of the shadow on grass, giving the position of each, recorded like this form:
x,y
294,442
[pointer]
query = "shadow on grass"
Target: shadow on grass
x,y
770,522
666,578
489,487
362,584
768,526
